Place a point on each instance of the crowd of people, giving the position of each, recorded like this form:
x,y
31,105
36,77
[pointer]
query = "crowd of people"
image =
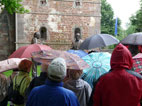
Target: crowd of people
x,y
119,87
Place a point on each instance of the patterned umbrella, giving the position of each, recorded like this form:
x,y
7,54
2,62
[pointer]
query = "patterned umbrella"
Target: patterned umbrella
x,y
80,53
137,63
73,61
8,64
99,63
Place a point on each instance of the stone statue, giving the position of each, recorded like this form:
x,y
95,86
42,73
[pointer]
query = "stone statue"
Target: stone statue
x,y
35,38
77,42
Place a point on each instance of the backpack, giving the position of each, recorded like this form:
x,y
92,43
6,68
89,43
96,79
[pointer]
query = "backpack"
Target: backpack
x,y
16,97
10,89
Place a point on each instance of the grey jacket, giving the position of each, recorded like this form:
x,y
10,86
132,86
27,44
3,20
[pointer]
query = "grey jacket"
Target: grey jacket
x,y
82,90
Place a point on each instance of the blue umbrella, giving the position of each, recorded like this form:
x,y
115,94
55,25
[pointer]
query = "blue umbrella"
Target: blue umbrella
x,y
99,63
80,53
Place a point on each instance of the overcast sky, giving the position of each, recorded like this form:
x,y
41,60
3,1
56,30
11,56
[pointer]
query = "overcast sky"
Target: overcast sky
x,y
124,9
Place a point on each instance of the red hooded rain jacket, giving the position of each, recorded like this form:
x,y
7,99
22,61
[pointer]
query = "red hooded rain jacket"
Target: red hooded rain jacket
x,y
118,87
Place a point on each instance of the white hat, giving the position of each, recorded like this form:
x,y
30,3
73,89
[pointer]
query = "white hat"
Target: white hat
x,y
57,69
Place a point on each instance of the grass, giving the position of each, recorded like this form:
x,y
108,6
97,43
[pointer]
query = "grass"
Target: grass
x,y
9,72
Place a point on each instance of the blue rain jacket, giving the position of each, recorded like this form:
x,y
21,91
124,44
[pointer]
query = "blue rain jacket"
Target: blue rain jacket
x,y
52,94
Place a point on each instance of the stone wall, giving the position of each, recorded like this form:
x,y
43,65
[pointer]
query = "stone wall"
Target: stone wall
x,y
7,34
60,18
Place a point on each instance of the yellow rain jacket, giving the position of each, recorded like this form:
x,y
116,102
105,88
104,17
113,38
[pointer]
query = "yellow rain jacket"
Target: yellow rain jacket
x,y
24,85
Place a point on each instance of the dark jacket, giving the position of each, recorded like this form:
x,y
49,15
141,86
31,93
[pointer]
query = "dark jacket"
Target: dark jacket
x,y
37,81
52,94
119,87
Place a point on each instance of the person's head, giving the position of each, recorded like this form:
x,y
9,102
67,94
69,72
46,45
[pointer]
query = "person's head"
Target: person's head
x,y
133,49
37,35
16,70
25,65
121,58
75,74
77,36
44,67
57,70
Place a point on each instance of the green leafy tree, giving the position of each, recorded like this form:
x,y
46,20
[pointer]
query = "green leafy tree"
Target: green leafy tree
x,y
13,6
108,22
131,29
107,19
136,20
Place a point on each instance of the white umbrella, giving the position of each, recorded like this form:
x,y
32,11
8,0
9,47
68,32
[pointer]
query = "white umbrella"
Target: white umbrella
x,y
11,63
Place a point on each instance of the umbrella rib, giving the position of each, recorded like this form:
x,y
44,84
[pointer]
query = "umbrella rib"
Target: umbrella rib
x,y
103,40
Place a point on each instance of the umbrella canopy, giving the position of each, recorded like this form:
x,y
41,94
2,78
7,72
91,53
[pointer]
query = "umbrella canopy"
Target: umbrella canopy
x,y
11,63
73,61
80,53
99,63
25,51
99,40
133,39
137,63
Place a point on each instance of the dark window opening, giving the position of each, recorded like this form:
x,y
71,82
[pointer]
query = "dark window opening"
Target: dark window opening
x,y
43,33
77,30
43,2
77,3
76,33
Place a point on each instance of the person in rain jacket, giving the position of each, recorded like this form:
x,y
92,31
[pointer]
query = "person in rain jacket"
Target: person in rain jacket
x,y
24,69
80,87
40,80
53,93
121,86
3,90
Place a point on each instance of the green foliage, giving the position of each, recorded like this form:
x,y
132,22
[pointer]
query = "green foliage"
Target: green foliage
x,y
107,19
131,29
108,22
136,21
14,6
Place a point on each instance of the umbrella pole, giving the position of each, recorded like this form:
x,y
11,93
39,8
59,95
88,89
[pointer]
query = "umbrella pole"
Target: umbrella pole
x,y
34,69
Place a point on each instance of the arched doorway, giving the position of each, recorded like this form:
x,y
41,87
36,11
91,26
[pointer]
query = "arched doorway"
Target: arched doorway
x,y
77,31
43,33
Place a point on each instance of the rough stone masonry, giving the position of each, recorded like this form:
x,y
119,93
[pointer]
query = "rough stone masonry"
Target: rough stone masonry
x,y
56,20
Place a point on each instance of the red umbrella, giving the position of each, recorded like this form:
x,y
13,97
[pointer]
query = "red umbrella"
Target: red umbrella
x,y
73,61
25,51
137,63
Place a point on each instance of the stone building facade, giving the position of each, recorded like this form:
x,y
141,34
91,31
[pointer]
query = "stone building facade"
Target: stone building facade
x,y
56,20
7,34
